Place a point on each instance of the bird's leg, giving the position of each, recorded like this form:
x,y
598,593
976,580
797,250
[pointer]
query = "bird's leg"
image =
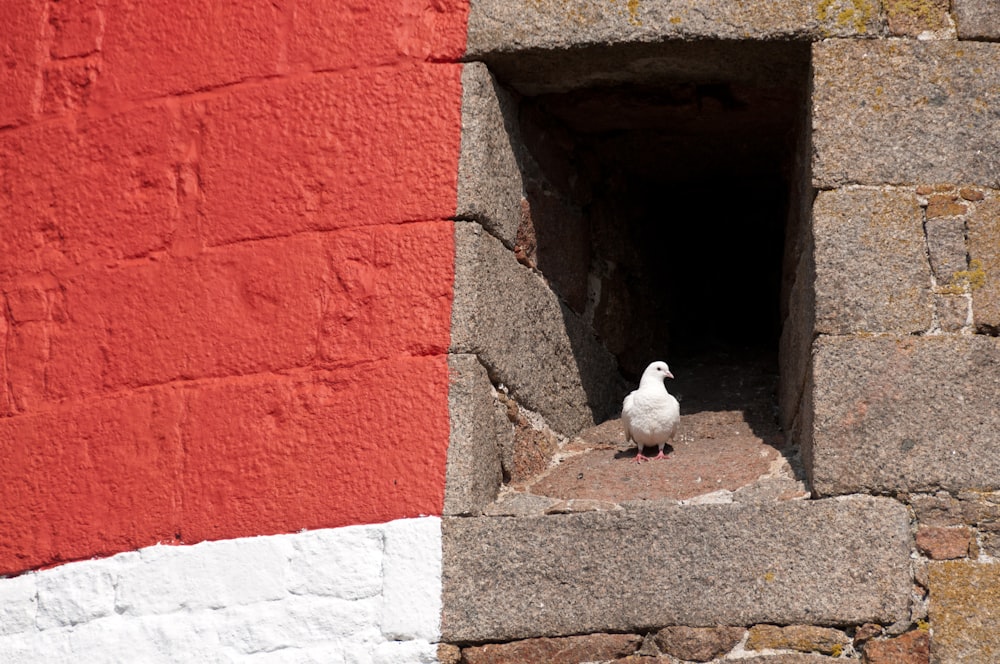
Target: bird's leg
x,y
661,455
639,458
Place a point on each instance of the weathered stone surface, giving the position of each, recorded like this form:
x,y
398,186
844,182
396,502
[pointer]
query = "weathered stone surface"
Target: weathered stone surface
x,y
954,312
528,340
904,414
532,446
940,509
794,349
940,543
568,650
449,654
910,648
904,111
965,612
503,25
749,64
791,658
912,19
822,562
984,265
865,633
871,268
804,638
945,206
946,245
521,504
981,508
490,188
698,644
472,474
977,19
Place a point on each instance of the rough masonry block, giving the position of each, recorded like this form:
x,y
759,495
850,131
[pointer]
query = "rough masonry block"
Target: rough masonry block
x,y
474,474
499,26
388,292
76,29
872,273
96,477
101,190
18,604
840,561
296,623
984,254
505,314
345,563
237,310
234,310
19,71
905,111
797,333
977,19
904,414
208,575
368,146
965,612
946,247
319,449
411,580
341,34
79,593
916,19
490,186
155,49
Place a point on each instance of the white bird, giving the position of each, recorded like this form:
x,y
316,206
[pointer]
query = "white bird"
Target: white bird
x,y
651,414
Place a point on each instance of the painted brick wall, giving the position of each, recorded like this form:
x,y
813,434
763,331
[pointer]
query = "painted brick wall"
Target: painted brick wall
x,y
213,215
319,596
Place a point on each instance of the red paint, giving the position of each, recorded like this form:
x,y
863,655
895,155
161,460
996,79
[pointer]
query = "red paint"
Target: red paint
x,y
317,299
77,26
73,192
234,458
363,444
346,149
347,33
89,479
19,59
226,278
151,49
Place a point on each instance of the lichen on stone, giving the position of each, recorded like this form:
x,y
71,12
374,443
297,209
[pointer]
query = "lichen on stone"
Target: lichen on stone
x,y
972,279
846,13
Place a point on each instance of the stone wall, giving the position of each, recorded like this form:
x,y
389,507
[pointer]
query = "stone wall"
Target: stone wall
x,y
888,352
305,290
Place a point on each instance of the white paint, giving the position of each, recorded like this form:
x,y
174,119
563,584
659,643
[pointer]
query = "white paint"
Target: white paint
x,y
18,604
412,590
358,595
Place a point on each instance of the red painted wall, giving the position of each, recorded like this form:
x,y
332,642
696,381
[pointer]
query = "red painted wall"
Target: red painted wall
x,y
226,265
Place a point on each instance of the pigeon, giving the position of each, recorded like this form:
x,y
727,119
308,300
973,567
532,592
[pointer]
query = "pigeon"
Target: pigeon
x,y
651,414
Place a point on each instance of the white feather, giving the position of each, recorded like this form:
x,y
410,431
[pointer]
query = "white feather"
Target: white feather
x,y
651,414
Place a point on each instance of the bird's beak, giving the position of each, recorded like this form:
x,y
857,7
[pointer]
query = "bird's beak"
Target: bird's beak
x,y
669,375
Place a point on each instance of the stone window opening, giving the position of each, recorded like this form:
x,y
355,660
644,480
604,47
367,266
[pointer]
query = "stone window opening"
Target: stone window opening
x,y
663,187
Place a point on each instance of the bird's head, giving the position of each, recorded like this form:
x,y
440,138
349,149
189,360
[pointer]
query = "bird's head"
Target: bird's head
x,y
656,371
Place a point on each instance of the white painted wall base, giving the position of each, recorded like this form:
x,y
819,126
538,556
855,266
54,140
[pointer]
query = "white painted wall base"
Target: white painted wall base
x,y
358,595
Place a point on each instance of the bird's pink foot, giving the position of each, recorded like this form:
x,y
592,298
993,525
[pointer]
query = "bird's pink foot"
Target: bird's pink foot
x,y
639,458
661,455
